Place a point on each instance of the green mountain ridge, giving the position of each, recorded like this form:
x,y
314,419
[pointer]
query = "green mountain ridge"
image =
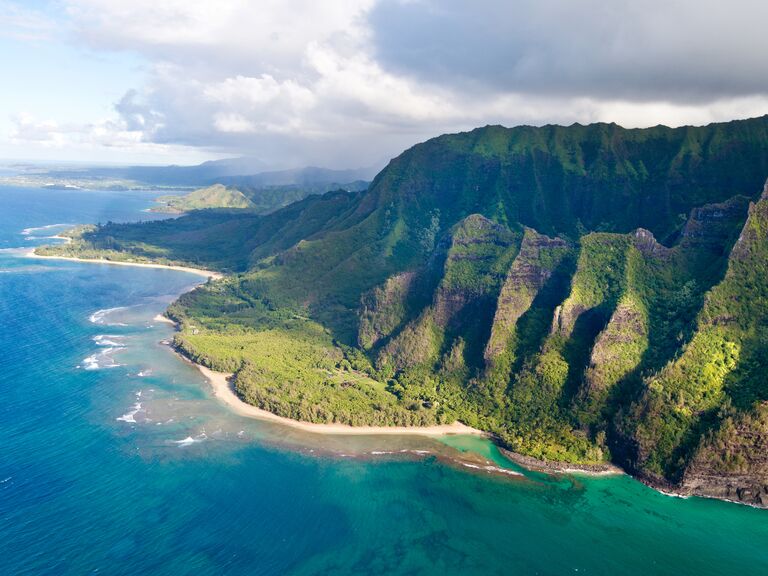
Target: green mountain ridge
x,y
586,293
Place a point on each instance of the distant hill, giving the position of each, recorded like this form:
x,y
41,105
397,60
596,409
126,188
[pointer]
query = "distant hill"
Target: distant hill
x,y
259,199
231,171
302,177
216,196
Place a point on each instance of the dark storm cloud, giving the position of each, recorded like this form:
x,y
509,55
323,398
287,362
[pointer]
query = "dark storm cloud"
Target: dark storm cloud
x,y
676,51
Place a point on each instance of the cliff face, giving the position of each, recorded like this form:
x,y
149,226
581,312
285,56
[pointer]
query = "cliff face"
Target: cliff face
x,y
732,462
719,370
539,258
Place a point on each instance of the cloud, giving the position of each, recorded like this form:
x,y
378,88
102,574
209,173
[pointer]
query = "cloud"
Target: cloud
x,y
672,50
90,140
23,23
26,128
351,82
137,116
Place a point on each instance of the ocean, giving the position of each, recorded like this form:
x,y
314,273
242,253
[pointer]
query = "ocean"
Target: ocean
x,y
115,458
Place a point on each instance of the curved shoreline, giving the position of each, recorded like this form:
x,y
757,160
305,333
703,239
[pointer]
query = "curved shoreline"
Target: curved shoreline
x,y
188,269
223,391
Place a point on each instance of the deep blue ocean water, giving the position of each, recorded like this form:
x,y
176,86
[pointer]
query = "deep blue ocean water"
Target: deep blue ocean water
x,y
116,459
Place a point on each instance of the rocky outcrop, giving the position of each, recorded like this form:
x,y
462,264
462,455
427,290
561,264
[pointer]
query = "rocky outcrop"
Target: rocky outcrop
x,y
645,242
732,462
712,224
534,265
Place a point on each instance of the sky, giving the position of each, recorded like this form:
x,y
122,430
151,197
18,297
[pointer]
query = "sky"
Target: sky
x,y
351,83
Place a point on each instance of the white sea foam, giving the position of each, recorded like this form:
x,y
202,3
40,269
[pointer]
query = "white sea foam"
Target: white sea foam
x,y
99,316
111,340
101,360
130,416
31,230
189,440
144,373
495,469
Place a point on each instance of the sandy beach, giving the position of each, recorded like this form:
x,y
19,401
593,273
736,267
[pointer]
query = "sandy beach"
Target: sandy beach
x,y
198,271
223,391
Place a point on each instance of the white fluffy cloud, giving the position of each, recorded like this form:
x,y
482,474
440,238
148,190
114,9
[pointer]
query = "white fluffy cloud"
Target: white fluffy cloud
x,y
351,82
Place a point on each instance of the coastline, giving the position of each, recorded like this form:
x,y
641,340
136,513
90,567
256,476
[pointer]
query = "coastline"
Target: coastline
x,y
190,270
223,391
549,467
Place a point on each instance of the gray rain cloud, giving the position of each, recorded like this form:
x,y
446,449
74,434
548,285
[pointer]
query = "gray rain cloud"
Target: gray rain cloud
x,y
680,51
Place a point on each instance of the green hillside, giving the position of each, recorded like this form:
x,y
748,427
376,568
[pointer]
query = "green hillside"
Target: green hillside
x,y
586,293
216,196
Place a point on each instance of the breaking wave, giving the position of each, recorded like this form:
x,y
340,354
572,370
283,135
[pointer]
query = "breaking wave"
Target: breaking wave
x,y
130,416
99,317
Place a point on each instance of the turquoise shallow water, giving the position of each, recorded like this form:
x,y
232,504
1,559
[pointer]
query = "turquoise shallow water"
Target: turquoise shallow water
x,y
115,459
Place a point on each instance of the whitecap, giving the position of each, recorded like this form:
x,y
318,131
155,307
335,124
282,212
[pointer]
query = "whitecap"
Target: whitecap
x,y
101,360
185,442
29,231
91,363
111,340
130,416
98,316
189,440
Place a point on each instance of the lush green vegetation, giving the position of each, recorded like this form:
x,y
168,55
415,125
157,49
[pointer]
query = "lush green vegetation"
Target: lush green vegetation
x,y
216,196
509,278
